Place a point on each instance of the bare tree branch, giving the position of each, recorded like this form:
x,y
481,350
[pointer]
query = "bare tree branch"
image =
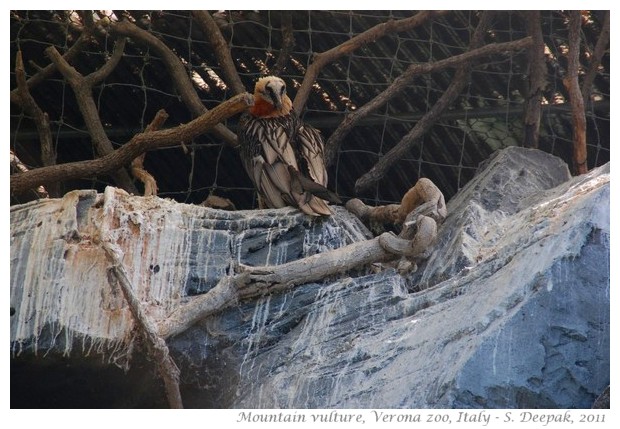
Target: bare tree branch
x,y
41,120
21,182
426,206
155,344
104,71
222,296
220,47
177,72
537,82
288,43
400,150
48,70
423,192
333,143
137,165
82,87
368,36
17,164
597,56
254,282
571,81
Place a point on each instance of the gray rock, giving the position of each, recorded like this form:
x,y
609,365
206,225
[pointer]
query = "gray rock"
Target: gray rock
x,y
510,311
513,313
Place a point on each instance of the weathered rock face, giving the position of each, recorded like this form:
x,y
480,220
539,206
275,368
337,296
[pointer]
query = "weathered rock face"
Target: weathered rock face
x,y
511,310
63,294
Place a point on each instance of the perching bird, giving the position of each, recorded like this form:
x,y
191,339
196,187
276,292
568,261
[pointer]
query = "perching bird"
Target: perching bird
x,y
282,156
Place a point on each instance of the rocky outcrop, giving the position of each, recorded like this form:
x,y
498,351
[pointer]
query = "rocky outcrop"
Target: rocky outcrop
x,y
510,311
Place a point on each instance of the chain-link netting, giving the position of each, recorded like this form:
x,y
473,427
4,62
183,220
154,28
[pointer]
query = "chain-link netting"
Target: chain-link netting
x,y
486,116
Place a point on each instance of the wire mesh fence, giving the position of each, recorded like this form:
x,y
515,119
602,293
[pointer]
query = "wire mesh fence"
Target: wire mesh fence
x,y
486,116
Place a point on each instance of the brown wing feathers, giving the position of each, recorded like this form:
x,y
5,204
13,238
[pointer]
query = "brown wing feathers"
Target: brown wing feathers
x,y
283,157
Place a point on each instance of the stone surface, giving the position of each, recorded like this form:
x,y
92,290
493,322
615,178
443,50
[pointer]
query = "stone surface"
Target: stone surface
x,y
63,295
510,311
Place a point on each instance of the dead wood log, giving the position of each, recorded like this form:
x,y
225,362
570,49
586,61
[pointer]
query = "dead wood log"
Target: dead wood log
x,y
255,282
155,344
222,296
412,244
140,143
421,210
578,113
368,36
423,194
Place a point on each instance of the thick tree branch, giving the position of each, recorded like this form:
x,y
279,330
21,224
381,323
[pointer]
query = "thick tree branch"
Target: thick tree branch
x,y
177,72
423,194
41,120
138,144
277,278
597,56
368,36
220,47
536,82
578,113
421,127
255,282
462,61
155,344
18,165
288,43
426,209
222,296
82,87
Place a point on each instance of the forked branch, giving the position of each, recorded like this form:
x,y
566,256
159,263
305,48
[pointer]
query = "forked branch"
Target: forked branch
x,y
368,36
461,61
404,146
82,87
140,143
49,70
177,71
41,120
